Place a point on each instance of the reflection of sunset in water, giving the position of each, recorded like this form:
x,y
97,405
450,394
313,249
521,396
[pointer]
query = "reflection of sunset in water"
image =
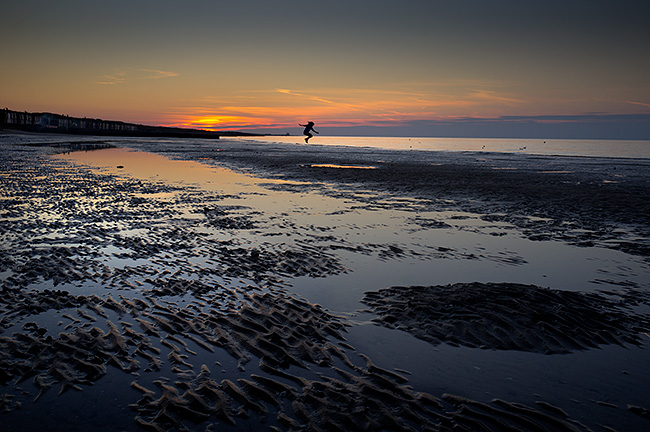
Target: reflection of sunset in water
x,y
124,161
266,195
362,217
342,166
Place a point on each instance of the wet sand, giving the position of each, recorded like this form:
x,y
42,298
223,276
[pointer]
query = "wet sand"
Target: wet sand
x,y
594,195
175,304
512,316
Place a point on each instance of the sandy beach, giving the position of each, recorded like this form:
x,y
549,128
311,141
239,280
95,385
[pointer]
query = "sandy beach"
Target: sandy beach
x,y
170,284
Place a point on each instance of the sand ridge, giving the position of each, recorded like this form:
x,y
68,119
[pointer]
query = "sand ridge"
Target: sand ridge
x,y
507,316
278,330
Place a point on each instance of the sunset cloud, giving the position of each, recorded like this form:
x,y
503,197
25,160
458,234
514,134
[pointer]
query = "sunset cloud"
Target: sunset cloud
x,y
396,105
638,103
122,75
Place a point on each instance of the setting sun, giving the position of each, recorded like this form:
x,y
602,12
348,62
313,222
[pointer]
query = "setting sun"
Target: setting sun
x,y
217,122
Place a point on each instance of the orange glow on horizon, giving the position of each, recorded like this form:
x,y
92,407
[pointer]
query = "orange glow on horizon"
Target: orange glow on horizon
x,y
402,106
289,121
283,108
210,122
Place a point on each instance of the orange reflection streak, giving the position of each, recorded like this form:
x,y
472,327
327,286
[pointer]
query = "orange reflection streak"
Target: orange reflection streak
x,y
342,166
153,167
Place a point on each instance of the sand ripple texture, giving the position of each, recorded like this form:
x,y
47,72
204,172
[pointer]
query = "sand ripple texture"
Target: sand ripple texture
x,y
63,225
305,381
121,284
509,316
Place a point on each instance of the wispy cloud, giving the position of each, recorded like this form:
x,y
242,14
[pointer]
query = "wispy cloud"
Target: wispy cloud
x,y
589,118
395,105
399,105
493,96
638,103
115,78
122,75
311,97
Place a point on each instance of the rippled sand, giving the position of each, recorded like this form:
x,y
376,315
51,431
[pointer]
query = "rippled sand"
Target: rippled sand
x,y
156,289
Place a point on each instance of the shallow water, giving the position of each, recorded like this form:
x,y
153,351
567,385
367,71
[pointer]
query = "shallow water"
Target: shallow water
x,y
474,249
460,247
565,147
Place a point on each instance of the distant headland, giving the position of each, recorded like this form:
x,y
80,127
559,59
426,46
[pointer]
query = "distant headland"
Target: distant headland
x,y
57,123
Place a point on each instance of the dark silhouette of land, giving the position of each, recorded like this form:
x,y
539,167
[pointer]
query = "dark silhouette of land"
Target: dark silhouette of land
x,y
62,124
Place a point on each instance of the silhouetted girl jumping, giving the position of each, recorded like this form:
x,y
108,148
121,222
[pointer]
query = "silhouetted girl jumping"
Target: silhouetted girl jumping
x,y
309,128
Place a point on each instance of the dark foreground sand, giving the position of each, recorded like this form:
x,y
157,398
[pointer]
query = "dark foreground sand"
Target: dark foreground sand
x,y
512,316
132,304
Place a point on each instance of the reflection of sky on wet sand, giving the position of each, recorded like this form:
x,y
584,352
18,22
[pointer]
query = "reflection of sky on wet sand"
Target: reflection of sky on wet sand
x,y
148,166
342,166
391,240
466,248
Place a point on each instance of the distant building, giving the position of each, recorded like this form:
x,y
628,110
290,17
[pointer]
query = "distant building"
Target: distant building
x,y
17,118
49,122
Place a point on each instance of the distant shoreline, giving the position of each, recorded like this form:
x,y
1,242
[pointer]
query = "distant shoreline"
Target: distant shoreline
x,y
44,122
165,133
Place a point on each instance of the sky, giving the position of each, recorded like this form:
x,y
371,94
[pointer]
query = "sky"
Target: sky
x,y
466,68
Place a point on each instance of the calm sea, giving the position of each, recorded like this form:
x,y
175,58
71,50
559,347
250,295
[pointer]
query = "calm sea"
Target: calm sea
x,y
553,147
